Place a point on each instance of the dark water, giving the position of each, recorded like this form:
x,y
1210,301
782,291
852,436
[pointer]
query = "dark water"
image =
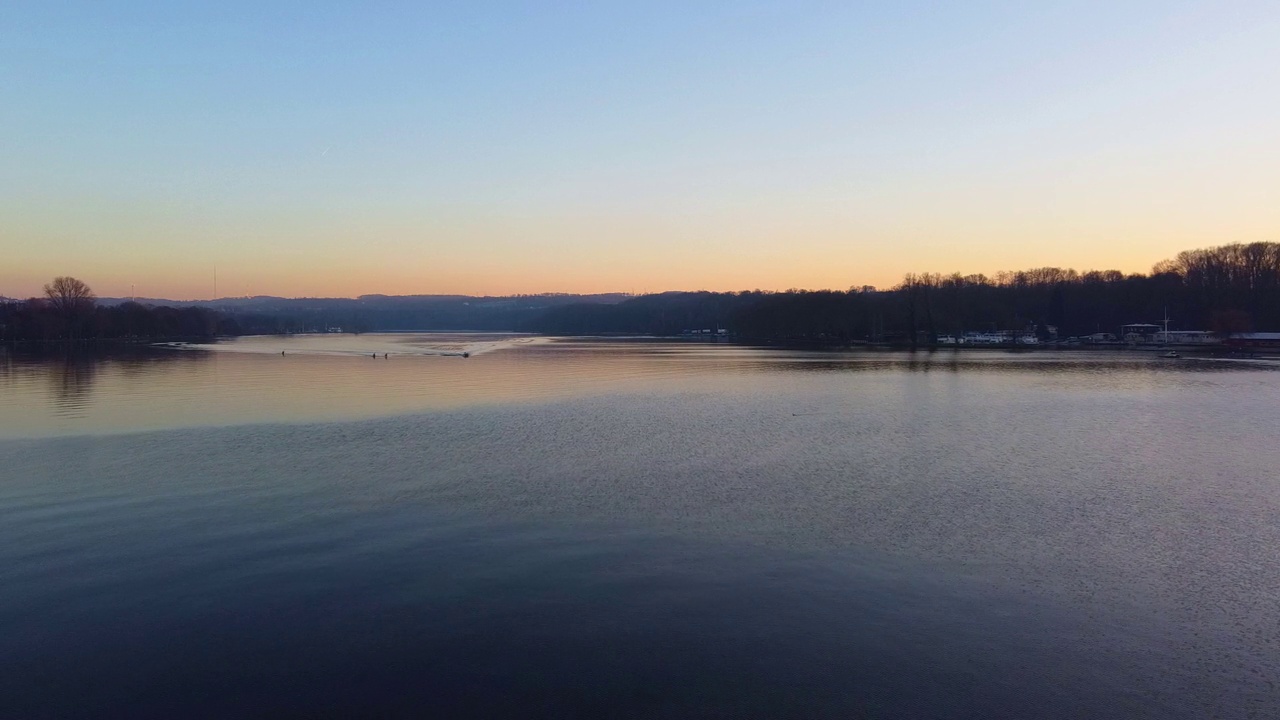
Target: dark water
x,y
631,529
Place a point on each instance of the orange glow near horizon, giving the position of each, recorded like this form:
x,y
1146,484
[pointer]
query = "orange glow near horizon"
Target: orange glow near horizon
x,y
630,255
627,148
753,268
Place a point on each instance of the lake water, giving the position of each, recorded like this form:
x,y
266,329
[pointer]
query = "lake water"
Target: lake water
x,y
636,529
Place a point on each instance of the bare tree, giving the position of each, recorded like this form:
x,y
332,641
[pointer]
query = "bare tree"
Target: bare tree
x,y
68,295
71,299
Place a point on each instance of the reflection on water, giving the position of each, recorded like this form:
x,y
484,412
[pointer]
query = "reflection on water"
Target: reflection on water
x,y
319,378
71,386
587,528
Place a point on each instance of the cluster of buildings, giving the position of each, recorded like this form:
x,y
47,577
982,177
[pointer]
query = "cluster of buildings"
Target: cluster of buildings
x,y
1146,333
1142,334
1001,337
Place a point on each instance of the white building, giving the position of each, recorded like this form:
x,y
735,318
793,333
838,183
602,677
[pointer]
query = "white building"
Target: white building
x,y
1186,337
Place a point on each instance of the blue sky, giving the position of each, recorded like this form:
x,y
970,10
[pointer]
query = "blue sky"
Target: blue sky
x,y
341,148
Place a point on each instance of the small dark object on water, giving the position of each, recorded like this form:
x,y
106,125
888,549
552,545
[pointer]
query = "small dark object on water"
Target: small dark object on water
x,y
466,354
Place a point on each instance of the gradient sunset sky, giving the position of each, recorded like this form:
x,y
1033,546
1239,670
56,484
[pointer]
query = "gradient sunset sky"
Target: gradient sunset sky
x,y
321,148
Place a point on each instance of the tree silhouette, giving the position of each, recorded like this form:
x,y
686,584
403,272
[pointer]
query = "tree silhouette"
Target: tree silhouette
x,y
69,295
71,300
1228,289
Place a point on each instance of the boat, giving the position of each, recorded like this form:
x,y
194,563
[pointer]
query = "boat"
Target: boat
x,y
1170,354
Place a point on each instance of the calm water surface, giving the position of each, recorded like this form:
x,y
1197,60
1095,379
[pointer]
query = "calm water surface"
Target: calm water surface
x,y
561,528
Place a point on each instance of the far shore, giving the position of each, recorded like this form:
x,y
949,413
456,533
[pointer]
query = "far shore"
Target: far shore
x,y
65,346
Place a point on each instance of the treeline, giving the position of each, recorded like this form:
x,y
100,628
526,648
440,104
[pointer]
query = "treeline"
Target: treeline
x,y
1226,289
46,320
1232,288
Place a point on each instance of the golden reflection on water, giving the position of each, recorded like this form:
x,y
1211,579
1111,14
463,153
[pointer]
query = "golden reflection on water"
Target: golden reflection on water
x,y
310,382
322,378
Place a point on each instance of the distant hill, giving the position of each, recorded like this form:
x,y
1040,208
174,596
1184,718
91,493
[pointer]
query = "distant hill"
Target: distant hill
x,y
382,313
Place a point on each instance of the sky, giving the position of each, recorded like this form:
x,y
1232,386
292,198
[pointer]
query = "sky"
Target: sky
x,y
336,149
